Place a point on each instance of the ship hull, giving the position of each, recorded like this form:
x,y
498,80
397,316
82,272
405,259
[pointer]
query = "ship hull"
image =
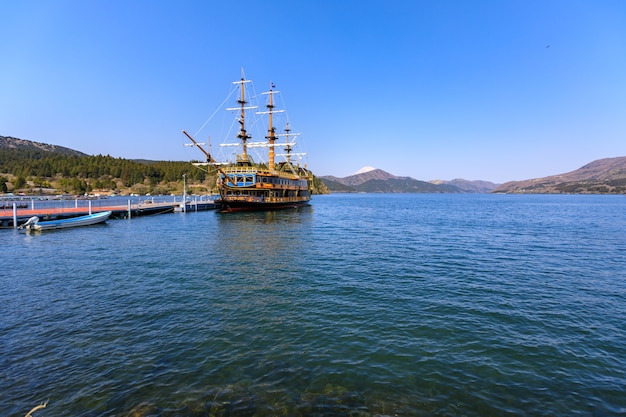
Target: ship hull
x,y
237,206
244,188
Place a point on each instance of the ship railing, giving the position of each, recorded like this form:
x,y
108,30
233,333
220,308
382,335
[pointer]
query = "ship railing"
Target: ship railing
x,y
263,199
240,170
260,171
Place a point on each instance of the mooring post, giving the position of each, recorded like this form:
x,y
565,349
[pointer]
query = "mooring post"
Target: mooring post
x,y
14,215
90,207
184,193
129,209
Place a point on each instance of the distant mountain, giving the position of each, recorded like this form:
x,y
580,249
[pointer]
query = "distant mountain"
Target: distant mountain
x,y
15,143
373,180
469,186
602,176
363,176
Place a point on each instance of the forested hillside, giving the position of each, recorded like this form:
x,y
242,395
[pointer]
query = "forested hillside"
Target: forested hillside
x,y
30,169
35,170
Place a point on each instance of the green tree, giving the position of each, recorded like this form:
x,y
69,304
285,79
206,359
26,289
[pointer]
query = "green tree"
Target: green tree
x,y
19,182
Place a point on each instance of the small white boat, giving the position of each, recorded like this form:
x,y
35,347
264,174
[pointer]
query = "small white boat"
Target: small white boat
x,y
34,224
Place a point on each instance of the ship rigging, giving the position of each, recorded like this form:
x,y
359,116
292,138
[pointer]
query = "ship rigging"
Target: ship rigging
x,y
246,185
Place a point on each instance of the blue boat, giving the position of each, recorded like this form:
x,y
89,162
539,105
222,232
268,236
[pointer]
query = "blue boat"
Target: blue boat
x,y
34,224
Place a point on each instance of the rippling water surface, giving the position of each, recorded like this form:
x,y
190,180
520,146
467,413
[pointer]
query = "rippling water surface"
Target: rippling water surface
x,y
364,305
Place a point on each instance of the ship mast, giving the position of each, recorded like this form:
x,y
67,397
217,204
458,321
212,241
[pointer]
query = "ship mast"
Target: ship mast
x,y
271,137
243,135
271,130
288,145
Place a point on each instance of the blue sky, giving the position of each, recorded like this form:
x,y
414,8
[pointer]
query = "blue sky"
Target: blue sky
x,y
482,90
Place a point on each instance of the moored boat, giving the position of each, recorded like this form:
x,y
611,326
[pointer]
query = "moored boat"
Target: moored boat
x,y
245,185
34,224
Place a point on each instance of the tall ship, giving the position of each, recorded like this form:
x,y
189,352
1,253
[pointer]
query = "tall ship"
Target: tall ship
x,y
246,185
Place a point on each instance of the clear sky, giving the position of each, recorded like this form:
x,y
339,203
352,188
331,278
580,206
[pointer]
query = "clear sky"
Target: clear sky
x,y
493,90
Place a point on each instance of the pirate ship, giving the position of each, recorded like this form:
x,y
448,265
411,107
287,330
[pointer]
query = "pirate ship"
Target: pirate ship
x,y
246,185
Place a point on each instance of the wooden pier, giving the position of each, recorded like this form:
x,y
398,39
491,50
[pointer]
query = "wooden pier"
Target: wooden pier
x,y
14,213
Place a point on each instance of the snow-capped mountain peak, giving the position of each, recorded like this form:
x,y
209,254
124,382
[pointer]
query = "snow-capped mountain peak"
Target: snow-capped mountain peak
x,y
364,170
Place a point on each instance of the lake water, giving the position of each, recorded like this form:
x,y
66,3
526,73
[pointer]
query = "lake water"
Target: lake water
x,y
361,305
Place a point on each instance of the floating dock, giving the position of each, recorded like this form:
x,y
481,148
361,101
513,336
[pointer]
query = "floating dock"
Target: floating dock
x,y
15,212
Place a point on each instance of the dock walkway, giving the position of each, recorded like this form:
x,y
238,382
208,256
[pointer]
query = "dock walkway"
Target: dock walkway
x,y
13,213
